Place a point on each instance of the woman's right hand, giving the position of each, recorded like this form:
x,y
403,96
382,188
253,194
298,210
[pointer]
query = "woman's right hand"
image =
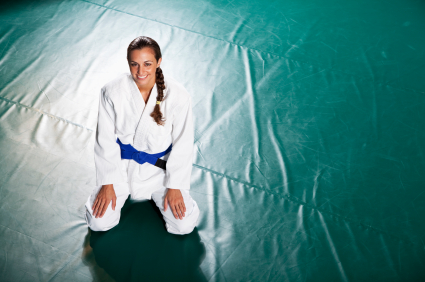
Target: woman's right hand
x,y
104,197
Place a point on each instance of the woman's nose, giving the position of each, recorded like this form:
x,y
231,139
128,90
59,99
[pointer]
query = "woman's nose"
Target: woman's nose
x,y
140,70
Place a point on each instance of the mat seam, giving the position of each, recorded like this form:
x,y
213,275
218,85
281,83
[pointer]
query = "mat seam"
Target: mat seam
x,y
294,199
246,47
286,196
26,235
57,249
45,113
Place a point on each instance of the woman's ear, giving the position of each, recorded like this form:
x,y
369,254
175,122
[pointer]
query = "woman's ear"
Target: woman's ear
x,y
159,62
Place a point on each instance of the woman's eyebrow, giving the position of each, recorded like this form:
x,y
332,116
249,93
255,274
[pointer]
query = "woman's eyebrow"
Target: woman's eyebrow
x,y
144,62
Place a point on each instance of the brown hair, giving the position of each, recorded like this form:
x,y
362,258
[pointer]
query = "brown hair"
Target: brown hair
x,y
140,43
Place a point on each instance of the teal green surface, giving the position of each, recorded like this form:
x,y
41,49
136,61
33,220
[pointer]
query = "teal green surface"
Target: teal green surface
x,y
140,248
309,139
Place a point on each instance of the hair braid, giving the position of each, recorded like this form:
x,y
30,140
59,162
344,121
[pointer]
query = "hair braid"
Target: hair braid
x,y
160,86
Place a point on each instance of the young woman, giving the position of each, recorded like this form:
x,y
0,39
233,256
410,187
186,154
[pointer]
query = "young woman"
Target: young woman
x,y
144,142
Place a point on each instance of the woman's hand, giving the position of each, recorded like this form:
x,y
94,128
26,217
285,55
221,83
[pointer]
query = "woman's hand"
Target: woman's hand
x,y
174,199
104,197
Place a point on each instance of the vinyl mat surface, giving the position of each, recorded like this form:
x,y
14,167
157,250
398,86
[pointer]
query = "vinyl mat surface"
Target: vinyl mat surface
x,y
309,140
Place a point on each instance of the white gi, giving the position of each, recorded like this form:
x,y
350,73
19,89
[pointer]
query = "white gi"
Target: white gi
x,y
124,114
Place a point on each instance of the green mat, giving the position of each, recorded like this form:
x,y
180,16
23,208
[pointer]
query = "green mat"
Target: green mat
x,y
309,140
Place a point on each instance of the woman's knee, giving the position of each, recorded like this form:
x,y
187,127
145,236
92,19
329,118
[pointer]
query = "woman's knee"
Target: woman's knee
x,y
181,227
187,224
101,223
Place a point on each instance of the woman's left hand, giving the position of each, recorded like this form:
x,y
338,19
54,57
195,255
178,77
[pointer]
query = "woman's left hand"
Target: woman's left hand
x,y
174,199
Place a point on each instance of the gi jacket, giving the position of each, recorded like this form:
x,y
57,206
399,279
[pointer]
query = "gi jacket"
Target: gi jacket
x,y
123,114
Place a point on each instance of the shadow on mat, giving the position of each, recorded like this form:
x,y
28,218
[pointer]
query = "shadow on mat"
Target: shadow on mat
x,y
139,248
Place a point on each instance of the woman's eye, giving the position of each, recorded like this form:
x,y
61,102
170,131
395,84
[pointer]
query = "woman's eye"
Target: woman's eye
x,y
147,65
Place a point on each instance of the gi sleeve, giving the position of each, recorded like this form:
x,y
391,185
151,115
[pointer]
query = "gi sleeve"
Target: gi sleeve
x,y
107,153
179,163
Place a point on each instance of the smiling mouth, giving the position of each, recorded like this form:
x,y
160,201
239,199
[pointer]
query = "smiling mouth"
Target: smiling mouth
x,y
142,77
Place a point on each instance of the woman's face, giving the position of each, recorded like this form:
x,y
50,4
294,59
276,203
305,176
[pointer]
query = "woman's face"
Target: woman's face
x,y
143,67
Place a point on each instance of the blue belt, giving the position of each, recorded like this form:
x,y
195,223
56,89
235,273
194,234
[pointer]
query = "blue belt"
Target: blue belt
x,y
128,152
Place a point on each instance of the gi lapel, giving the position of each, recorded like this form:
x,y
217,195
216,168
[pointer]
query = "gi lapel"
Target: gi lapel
x,y
137,98
143,126
142,129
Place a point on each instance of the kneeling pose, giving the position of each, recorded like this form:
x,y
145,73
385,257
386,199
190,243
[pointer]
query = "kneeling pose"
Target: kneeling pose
x,y
143,145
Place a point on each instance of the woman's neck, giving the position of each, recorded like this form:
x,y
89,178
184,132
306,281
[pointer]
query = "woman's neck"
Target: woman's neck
x,y
146,91
145,94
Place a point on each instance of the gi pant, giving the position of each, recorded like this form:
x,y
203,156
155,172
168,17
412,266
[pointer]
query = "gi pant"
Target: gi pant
x,y
111,218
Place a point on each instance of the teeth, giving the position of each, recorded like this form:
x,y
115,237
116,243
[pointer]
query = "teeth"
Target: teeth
x,y
142,76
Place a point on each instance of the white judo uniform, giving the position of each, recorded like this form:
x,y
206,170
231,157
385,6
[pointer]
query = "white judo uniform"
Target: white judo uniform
x,y
124,114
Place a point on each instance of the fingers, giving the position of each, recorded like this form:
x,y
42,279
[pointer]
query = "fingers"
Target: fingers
x,y
165,204
175,212
114,203
104,197
173,207
98,203
95,207
100,209
101,205
94,204
104,208
178,210
182,209
174,199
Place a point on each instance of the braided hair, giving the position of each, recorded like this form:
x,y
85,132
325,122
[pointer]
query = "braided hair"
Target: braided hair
x,y
160,86
140,43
